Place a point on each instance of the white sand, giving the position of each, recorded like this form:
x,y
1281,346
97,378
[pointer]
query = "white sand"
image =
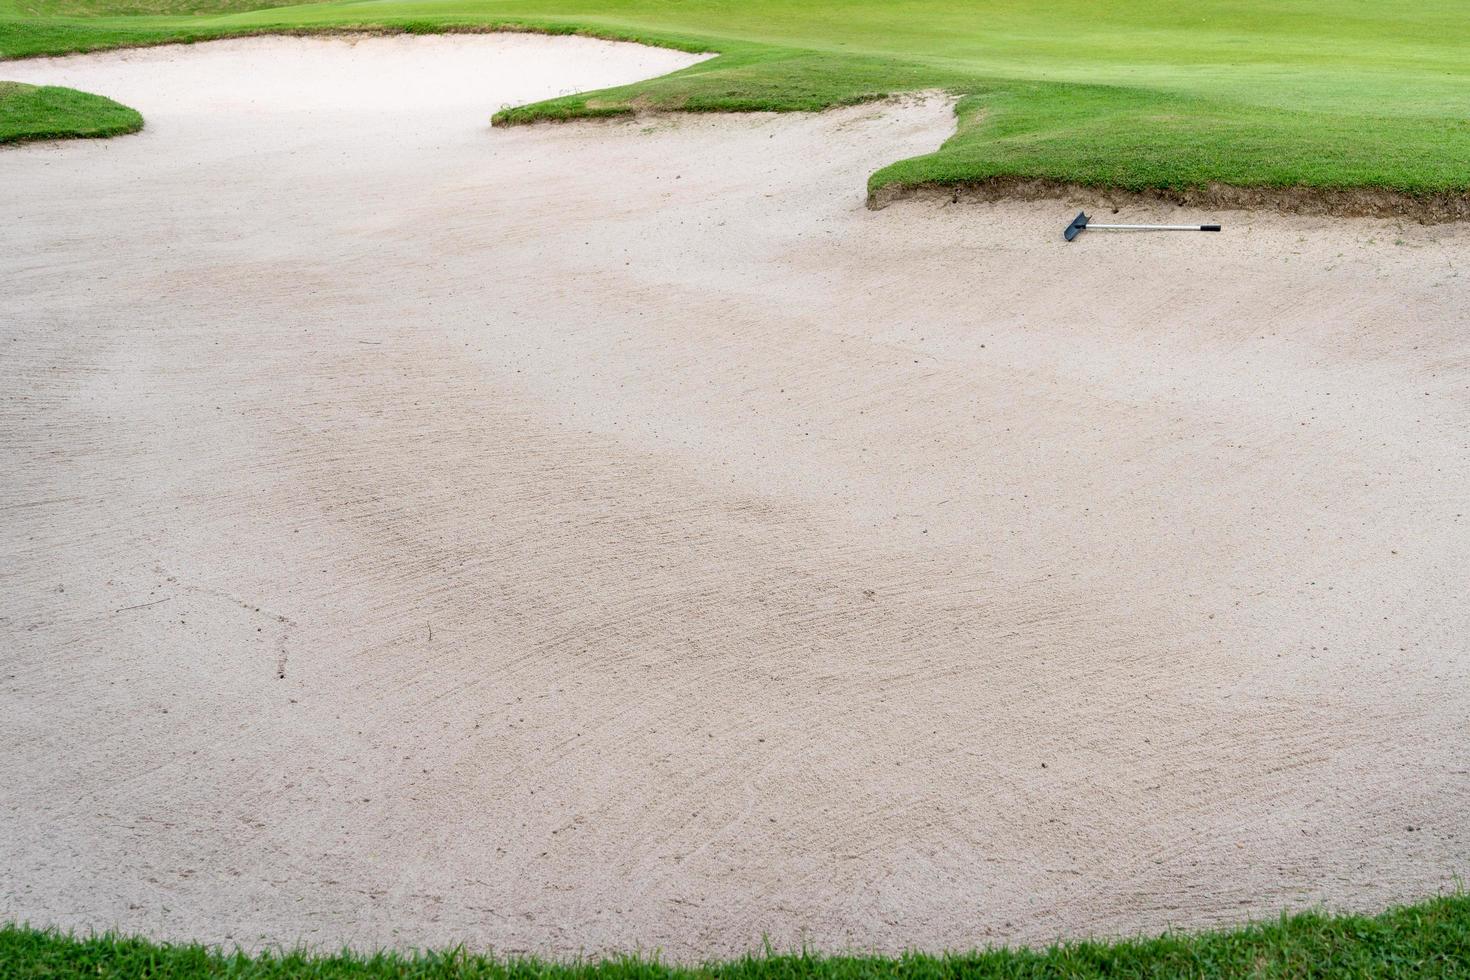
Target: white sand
x,y
612,536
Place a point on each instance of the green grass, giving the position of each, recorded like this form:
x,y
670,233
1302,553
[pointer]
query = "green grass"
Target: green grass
x,y
46,112
1136,94
1431,939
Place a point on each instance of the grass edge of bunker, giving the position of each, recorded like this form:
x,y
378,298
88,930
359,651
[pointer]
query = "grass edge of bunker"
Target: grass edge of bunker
x,y
49,112
1190,123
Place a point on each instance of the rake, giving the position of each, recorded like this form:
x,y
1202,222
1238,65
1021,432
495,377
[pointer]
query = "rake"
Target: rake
x,y
1082,222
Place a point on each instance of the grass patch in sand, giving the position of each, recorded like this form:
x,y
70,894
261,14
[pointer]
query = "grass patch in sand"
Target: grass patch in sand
x,y
1148,94
1430,939
47,112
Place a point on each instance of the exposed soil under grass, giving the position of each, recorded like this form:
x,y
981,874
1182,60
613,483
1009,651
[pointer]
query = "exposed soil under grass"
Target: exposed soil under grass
x,y
1349,202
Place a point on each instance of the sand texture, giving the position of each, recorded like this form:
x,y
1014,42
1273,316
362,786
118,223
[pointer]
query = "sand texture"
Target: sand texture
x,y
614,536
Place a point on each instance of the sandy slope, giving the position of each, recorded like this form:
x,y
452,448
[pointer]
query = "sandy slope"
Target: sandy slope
x,y
612,535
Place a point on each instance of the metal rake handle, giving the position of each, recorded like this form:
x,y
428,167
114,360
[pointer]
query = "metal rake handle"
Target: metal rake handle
x,y
1082,222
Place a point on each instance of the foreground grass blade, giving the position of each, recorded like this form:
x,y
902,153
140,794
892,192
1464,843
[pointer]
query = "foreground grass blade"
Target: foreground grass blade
x,y
1430,939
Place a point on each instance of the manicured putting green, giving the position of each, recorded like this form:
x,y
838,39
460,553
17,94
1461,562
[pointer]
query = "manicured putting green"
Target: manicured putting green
x,y
46,112
1137,94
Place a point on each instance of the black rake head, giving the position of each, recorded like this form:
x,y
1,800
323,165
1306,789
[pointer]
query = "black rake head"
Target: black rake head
x,y
1075,228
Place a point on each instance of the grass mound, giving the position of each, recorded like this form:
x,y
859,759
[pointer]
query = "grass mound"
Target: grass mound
x,y
1430,939
1332,95
30,112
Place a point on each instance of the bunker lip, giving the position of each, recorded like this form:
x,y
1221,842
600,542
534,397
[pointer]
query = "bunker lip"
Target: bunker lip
x,y
642,110
1348,202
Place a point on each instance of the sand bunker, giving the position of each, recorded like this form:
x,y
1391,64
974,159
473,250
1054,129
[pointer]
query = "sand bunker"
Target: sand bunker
x,y
590,537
